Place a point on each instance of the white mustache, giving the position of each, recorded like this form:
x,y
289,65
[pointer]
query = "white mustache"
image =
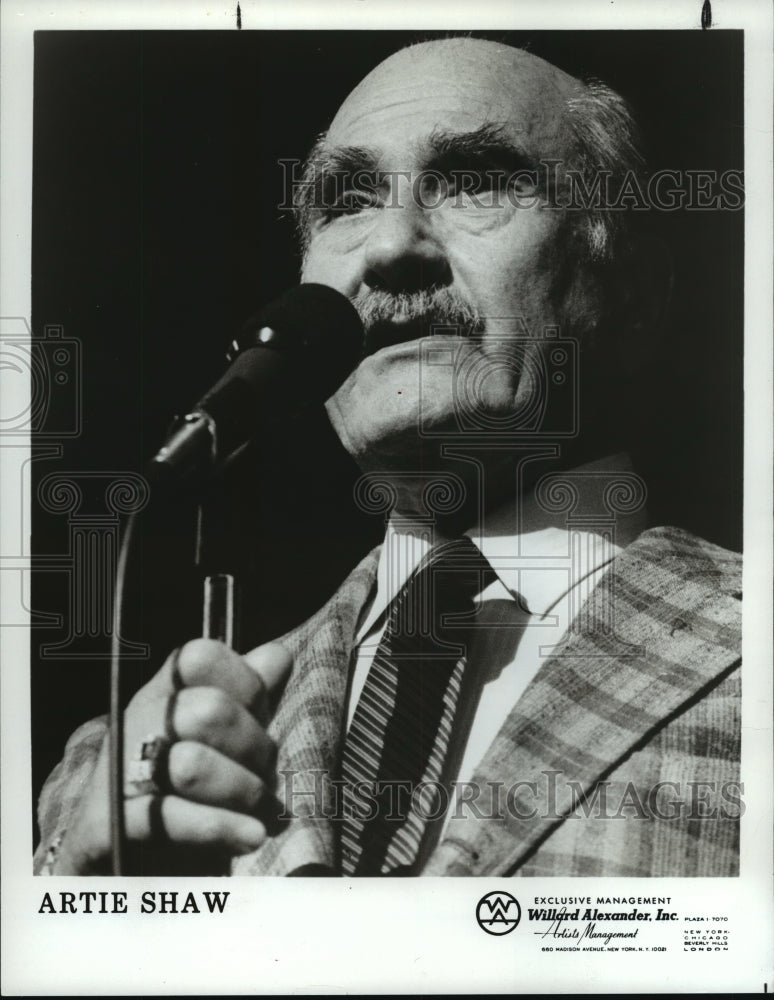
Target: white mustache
x,y
441,306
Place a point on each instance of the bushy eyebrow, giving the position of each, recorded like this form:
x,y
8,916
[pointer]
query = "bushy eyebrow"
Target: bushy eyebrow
x,y
341,159
488,142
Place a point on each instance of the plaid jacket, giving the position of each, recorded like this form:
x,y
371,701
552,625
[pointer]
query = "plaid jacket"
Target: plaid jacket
x,y
621,757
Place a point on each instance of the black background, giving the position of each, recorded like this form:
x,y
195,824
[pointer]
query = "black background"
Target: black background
x,y
156,232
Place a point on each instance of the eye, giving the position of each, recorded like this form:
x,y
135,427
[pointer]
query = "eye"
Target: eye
x,y
524,182
347,193
473,188
476,181
341,203
487,186
351,201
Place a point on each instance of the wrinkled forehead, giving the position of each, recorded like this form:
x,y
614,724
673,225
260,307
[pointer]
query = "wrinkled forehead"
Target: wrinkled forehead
x,y
458,85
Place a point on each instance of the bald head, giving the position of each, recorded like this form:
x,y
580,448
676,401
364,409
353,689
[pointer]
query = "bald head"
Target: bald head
x,y
466,81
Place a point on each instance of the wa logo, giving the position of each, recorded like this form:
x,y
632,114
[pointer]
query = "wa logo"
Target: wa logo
x,y
498,913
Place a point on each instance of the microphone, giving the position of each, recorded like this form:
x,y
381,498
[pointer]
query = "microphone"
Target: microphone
x,y
294,352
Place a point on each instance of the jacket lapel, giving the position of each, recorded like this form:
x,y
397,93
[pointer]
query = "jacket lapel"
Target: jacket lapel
x,y
307,728
672,602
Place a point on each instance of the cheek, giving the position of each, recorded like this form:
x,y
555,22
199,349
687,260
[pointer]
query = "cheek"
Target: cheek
x,y
513,268
333,255
323,269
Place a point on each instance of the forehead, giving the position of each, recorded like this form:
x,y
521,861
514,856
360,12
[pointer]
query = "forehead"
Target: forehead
x,y
458,85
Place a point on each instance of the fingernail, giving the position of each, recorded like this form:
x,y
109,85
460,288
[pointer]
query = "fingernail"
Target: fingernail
x,y
251,834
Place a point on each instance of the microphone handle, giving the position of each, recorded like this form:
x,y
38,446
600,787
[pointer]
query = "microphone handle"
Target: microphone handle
x,y
214,556
219,611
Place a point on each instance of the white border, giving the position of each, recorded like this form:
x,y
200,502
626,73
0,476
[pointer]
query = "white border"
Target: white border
x,y
414,936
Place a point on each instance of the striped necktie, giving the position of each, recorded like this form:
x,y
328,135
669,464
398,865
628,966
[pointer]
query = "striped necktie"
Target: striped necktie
x,y
401,729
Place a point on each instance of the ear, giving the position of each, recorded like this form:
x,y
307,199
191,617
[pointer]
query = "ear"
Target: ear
x,y
641,282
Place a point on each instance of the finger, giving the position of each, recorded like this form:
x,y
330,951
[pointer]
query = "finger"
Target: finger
x,y
184,822
209,716
151,818
272,663
201,774
207,663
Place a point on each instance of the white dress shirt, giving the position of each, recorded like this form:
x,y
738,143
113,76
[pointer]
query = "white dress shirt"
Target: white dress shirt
x,y
545,570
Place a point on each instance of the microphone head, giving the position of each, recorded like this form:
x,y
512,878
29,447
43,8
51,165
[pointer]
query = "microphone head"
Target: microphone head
x,y
316,329
293,354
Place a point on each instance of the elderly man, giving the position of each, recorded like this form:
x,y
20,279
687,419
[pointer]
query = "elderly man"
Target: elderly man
x,y
522,680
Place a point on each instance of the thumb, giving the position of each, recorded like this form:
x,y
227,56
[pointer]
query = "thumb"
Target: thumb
x,y
272,662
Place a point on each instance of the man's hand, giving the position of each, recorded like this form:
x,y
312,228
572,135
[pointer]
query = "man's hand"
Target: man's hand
x,y
213,704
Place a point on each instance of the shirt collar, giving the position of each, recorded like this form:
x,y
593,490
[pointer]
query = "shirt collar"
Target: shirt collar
x,y
531,549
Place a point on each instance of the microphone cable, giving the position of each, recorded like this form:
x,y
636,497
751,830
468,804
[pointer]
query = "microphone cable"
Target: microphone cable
x,y
116,729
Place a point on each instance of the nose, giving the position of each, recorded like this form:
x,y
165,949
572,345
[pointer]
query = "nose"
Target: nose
x,y
403,254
